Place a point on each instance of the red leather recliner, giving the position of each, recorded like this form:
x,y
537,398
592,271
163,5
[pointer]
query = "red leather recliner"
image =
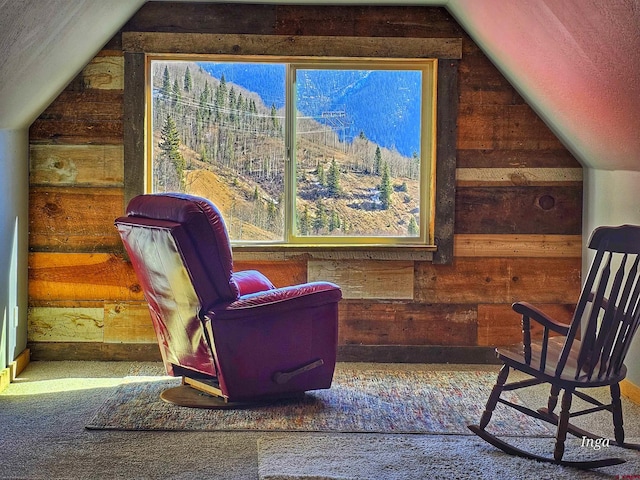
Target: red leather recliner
x,y
231,334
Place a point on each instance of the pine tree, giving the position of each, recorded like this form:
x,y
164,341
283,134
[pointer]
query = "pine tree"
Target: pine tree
x,y
333,179
221,98
412,229
232,105
188,82
415,166
205,106
334,221
303,221
166,83
170,156
253,113
240,109
229,152
275,123
322,179
175,93
205,95
385,187
320,221
377,161
271,213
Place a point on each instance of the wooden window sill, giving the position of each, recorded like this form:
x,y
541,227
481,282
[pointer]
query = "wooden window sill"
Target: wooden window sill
x,y
333,252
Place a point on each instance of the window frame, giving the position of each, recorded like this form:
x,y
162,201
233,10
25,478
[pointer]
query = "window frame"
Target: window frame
x,y
427,66
429,69
448,51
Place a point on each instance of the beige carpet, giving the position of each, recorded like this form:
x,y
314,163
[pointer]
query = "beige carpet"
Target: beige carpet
x,y
43,436
418,457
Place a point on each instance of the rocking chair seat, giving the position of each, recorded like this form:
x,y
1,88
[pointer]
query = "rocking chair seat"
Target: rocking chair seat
x,y
514,357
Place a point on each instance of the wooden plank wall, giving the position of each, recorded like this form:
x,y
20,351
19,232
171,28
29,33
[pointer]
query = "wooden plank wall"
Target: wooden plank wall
x,y
517,219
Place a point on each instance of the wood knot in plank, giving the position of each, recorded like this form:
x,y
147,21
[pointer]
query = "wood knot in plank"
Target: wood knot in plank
x,y
546,202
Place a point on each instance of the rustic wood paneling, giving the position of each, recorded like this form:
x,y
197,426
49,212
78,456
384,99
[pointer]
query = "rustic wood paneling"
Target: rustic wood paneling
x,y
523,210
203,18
499,325
71,132
243,44
281,274
555,158
76,133
134,125
105,72
396,21
90,116
112,47
65,324
74,219
444,211
479,280
481,83
128,322
375,279
112,352
491,245
66,303
508,127
416,354
86,106
480,177
81,276
79,165
398,323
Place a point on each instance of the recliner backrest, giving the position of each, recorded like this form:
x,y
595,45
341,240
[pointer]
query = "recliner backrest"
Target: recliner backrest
x,y
204,243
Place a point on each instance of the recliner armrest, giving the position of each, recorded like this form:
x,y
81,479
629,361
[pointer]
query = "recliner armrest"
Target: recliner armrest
x,y
251,281
279,300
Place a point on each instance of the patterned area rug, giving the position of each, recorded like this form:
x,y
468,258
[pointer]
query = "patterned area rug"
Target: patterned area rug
x,y
363,400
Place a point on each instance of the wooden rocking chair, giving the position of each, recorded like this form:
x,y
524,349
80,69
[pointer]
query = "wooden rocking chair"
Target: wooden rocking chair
x,y
607,315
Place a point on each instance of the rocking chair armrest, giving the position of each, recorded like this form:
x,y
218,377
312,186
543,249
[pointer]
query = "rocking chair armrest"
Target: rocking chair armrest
x,y
527,310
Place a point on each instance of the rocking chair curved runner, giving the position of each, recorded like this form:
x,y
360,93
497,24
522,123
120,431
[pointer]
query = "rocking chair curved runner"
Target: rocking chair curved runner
x,y
607,315
233,335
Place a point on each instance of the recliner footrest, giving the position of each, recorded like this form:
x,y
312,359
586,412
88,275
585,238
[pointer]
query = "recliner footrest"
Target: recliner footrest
x,y
283,377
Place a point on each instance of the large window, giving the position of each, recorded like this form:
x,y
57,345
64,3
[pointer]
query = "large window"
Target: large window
x,y
306,152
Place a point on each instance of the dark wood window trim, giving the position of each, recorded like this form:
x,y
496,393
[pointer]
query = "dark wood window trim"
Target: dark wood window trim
x,y
448,51
446,146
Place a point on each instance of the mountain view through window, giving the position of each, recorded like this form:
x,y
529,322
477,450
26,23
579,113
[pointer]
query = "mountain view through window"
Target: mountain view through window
x,y
348,165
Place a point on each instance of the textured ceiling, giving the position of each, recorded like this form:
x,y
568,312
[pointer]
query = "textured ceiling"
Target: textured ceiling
x,y
577,62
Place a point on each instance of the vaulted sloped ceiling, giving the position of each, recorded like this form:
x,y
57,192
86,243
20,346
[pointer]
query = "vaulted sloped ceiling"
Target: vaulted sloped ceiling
x,y
577,62
44,44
